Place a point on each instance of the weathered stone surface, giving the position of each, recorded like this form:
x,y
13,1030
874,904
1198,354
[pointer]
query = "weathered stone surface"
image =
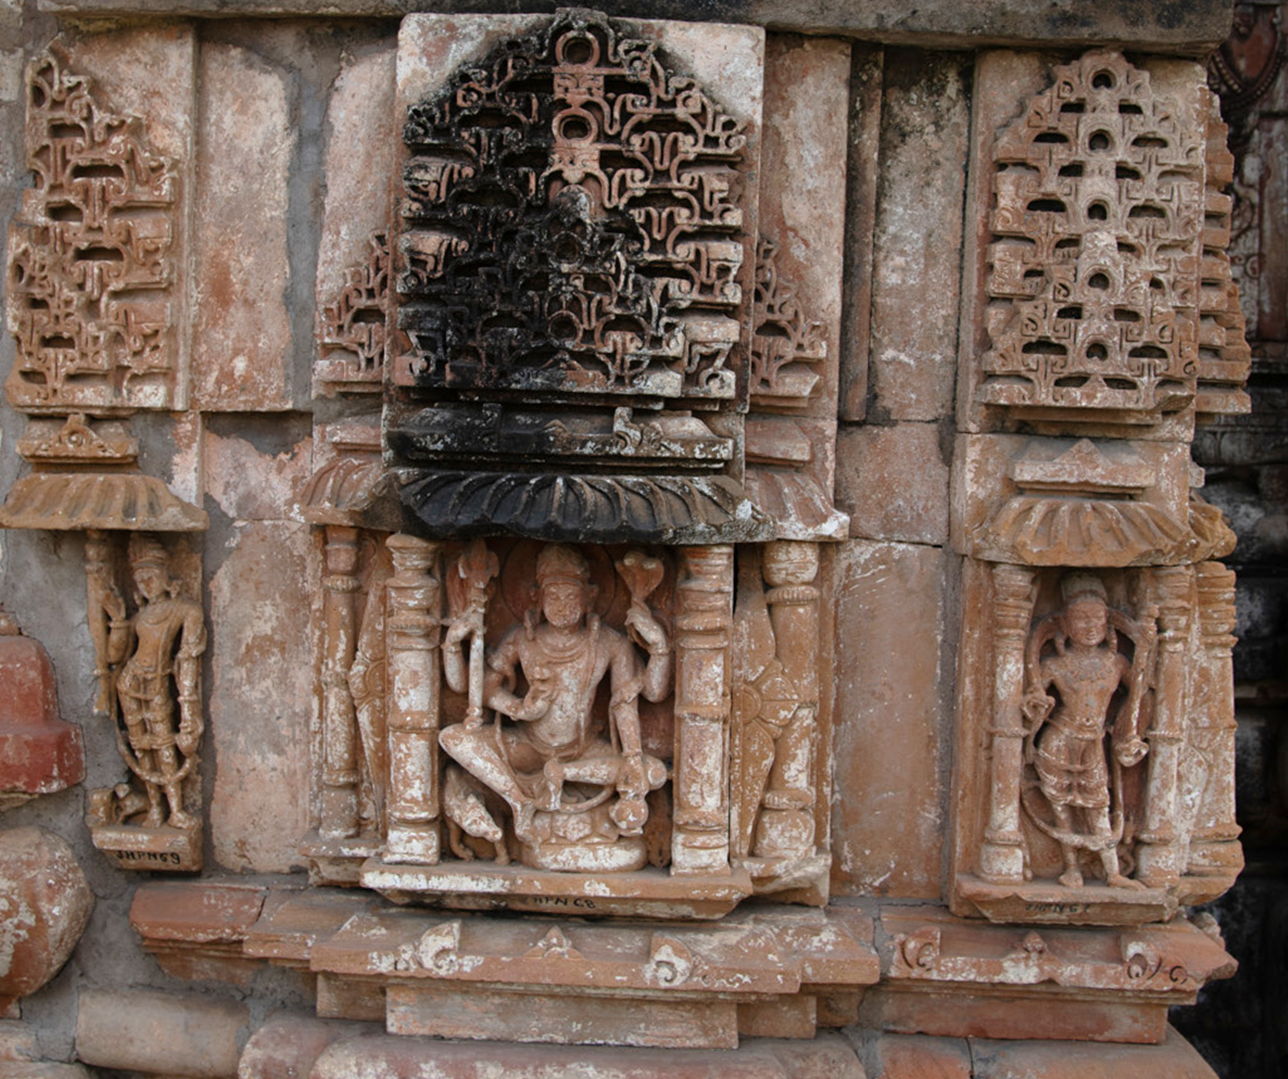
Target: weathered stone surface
x,y
468,316
940,23
803,161
946,977
907,1056
862,172
288,1044
1174,1058
139,1030
1059,309
261,696
886,496
925,119
1046,501
242,332
890,790
39,752
196,931
360,114
45,905
147,662
250,485
386,1057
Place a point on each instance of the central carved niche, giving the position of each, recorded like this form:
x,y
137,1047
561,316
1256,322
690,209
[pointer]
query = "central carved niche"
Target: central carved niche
x,y
572,223
559,682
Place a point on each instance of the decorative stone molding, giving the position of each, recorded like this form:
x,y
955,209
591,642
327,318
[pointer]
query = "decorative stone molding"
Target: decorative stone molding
x,y
615,268
785,344
420,972
948,977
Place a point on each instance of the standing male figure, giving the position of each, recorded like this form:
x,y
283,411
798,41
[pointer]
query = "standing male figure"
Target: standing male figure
x,y
161,642
1086,672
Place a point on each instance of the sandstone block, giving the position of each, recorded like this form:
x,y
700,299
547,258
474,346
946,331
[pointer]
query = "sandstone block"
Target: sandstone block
x,y
803,164
892,720
1175,1058
261,698
251,485
289,1043
893,482
914,1056
925,121
143,1031
353,249
242,332
195,931
863,168
384,1056
45,905
39,752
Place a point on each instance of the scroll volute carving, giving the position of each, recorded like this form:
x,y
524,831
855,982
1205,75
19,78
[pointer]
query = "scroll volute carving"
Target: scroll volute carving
x,y
572,222
149,637
91,263
1097,238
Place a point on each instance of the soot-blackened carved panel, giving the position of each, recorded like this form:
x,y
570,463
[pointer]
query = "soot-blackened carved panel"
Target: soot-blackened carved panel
x,y
1097,230
91,266
572,221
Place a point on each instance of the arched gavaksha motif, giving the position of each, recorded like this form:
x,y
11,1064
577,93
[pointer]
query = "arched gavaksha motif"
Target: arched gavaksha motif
x,y
572,222
1097,229
91,266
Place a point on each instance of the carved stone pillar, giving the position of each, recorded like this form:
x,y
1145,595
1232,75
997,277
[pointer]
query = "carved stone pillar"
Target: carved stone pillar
x,y
339,729
1001,857
703,628
1212,846
1159,853
786,822
415,599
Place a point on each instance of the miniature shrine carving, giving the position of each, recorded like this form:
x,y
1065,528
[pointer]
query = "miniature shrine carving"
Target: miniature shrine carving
x,y
91,261
1105,803
786,345
1097,239
351,329
576,794
572,223
148,665
1072,722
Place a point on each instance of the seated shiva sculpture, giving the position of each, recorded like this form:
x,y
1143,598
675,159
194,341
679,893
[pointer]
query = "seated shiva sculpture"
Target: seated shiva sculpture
x,y
576,790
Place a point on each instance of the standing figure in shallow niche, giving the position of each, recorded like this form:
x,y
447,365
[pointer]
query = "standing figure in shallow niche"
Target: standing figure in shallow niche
x,y
561,653
1066,732
154,661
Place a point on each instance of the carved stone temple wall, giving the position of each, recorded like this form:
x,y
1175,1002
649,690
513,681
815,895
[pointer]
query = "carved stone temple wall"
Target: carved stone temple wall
x,y
657,541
